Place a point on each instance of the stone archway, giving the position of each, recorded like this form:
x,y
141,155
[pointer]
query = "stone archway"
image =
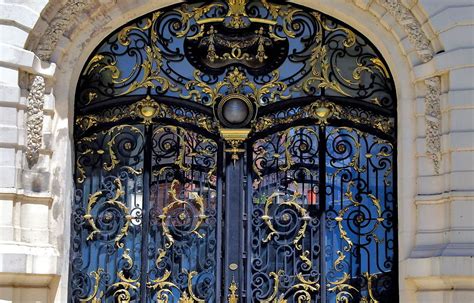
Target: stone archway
x,y
66,52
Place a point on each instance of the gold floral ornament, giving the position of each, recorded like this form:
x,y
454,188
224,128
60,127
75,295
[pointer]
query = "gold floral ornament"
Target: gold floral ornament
x,y
237,14
236,82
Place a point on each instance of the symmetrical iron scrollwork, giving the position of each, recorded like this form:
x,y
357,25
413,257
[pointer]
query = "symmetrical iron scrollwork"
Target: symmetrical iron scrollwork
x,y
202,51
339,231
292,106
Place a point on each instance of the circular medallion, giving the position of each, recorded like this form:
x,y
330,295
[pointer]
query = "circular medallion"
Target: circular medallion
x,y
235,110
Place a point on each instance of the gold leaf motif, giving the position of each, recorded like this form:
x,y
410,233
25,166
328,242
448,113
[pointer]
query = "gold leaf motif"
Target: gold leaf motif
x,y
370,278
93,298
184,298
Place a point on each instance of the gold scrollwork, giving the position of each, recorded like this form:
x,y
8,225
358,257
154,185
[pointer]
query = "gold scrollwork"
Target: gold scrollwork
x,y
164,287
151,64
350,39
320,68
286,12
354,163
291,203
321,111
165,293
339,219
121,289
276,283
147,109
149,73
182,149
305,259
235,81
287,137
303,289
93,298
198,200
321,65
370,278
114,161
113,201
342,289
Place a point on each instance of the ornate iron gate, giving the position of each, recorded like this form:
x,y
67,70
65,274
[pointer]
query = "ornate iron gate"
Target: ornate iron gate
x,y
234,151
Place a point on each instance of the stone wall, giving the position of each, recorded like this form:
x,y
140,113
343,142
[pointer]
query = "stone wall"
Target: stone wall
x,y
428,45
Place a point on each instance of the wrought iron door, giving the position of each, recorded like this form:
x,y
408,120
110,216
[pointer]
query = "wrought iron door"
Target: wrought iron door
x,y
234,151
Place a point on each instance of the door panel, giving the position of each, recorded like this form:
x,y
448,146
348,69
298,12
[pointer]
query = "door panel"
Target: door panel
x,y
284,216
321,217
306,216
360,216
106,215
183,214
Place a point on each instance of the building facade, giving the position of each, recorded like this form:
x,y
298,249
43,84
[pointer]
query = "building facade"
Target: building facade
x,y
426,44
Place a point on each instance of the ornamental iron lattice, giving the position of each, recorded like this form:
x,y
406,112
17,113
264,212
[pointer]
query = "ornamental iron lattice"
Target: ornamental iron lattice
x,y
235,151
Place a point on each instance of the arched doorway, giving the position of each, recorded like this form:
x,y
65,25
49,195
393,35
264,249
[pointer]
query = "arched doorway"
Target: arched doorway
x,y
238,151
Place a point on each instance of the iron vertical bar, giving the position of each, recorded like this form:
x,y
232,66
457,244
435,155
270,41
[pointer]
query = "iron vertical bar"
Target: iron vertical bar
x,y
322,197
220,223
233,221
249,208
145,218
